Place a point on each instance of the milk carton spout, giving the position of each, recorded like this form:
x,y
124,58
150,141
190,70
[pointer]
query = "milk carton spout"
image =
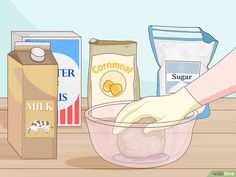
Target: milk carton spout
x,y
37,54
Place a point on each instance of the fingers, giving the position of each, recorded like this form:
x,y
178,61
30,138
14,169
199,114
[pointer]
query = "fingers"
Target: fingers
x,y
153,127
131,118
158,126
130,108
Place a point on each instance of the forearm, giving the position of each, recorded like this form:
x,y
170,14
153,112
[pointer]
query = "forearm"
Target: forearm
x,y
219,81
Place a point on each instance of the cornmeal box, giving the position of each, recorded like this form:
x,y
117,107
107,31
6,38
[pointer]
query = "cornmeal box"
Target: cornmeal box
x,y
32,100
66,48
113,72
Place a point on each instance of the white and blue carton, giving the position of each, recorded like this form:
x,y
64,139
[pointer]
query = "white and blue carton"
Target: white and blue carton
x,y
66,48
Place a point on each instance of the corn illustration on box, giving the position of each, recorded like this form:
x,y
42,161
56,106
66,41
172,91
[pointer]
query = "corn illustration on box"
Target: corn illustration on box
x,y
32,100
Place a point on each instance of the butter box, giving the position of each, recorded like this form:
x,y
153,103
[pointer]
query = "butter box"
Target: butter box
x,y
66,48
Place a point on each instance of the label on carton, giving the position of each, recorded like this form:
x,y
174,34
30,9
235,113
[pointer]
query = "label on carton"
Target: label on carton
x,y
112,78
180,74
39,118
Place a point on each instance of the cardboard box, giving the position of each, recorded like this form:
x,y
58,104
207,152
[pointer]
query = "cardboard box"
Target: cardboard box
x,y
66,48
32,100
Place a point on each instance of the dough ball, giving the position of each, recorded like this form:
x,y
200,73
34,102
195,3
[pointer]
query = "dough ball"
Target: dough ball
x,y
133,142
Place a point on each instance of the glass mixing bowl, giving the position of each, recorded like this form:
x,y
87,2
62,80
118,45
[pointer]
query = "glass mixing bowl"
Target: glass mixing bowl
x,y
171,144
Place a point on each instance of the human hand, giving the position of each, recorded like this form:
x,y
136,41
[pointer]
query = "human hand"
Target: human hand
x,y
167,110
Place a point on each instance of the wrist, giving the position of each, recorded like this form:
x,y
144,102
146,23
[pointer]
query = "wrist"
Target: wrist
x,y
185,101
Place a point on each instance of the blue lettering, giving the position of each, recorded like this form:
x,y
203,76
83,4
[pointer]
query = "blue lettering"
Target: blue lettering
x,y
62,97
66,73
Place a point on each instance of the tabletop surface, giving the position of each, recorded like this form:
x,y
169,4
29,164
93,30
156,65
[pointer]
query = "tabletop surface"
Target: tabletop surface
x,y
213,147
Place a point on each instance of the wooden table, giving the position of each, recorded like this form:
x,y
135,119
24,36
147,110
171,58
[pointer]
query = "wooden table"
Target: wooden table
x,y
213,147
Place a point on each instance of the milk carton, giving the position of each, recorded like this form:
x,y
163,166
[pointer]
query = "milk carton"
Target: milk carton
x,y
32,100
66,48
